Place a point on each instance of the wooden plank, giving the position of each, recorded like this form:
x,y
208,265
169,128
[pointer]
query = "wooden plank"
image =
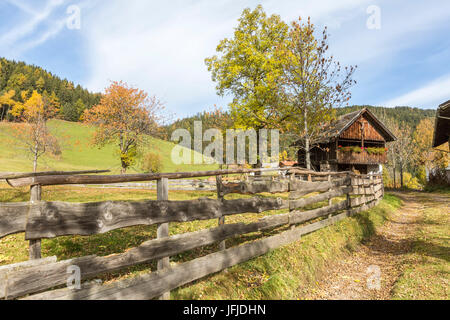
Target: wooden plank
x,y
163,230
152,285
53,219
13,217
297,171
25,282
361,200
19,267
300,188
91,179
359,181
377,187
255,187
26,264
301,203
379,194
366,190
253,205
296,217
48,173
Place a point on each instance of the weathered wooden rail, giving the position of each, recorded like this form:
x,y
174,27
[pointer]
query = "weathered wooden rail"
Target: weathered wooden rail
x,y
342,195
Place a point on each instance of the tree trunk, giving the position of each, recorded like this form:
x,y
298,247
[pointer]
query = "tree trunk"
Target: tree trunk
x,y
307,143
3,112
258,164
401,176
393,173
35,160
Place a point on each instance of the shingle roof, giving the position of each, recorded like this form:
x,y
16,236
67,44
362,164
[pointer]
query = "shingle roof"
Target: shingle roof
x,y
335,128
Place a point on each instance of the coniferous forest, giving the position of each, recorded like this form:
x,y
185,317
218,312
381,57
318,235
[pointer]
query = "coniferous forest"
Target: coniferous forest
x,y
18,80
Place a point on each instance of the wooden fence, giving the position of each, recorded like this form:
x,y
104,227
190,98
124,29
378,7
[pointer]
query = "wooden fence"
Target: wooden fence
x,y
37,278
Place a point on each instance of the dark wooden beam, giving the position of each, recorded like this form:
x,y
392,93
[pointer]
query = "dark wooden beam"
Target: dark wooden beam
x,y
91,179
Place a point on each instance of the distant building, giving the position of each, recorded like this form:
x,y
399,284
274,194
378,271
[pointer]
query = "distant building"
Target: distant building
x,y
442,129
355,141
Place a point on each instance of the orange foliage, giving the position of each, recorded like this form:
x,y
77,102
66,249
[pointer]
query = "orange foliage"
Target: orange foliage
x,y
124,116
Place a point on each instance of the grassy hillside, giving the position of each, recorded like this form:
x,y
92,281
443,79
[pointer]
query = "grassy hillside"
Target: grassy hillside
x,y
78,153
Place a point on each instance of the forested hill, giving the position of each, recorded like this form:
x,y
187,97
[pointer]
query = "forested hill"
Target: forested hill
x,y
407,115
24,78
222,120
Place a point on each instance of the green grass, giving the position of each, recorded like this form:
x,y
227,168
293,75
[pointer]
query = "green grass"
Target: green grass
x,y
78,152
427,273
287,272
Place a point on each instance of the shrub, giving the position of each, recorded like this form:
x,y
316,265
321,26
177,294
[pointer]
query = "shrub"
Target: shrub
x,y
151,162
376,150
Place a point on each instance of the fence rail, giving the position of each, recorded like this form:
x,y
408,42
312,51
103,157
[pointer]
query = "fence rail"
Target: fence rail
x,y
40,219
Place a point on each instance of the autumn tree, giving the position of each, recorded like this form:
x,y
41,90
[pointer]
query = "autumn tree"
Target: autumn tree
x,y
247,68
402,149
33,131
424,154
124,116
6,102
313,83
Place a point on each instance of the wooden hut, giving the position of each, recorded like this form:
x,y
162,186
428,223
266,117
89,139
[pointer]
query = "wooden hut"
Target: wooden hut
x,y
442,130
355,141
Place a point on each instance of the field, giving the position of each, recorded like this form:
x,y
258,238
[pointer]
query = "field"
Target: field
x,y
408,237
78,153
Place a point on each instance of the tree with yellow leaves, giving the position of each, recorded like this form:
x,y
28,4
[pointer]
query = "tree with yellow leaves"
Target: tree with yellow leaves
x,y
33,131
6,102
424,153
246,67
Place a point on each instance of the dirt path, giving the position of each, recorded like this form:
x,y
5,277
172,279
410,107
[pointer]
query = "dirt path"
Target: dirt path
x,y
383,254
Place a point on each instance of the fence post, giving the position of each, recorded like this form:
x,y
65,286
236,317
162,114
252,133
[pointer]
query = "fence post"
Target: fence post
x,y
372,185
222,245
35,245
163,229
349,201
329,197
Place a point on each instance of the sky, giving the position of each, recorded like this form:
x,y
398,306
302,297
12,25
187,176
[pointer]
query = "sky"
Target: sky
x,y
401,48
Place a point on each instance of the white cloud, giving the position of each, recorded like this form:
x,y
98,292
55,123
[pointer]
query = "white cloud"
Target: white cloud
x,y
25,36
30,25
430,95
161,47
55,29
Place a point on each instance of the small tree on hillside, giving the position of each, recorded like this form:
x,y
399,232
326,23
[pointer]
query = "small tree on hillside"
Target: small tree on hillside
x,y
124,116
313,83
33,131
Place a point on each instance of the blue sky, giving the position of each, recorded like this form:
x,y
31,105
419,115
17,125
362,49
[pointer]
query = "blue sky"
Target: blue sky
x,y
160,46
